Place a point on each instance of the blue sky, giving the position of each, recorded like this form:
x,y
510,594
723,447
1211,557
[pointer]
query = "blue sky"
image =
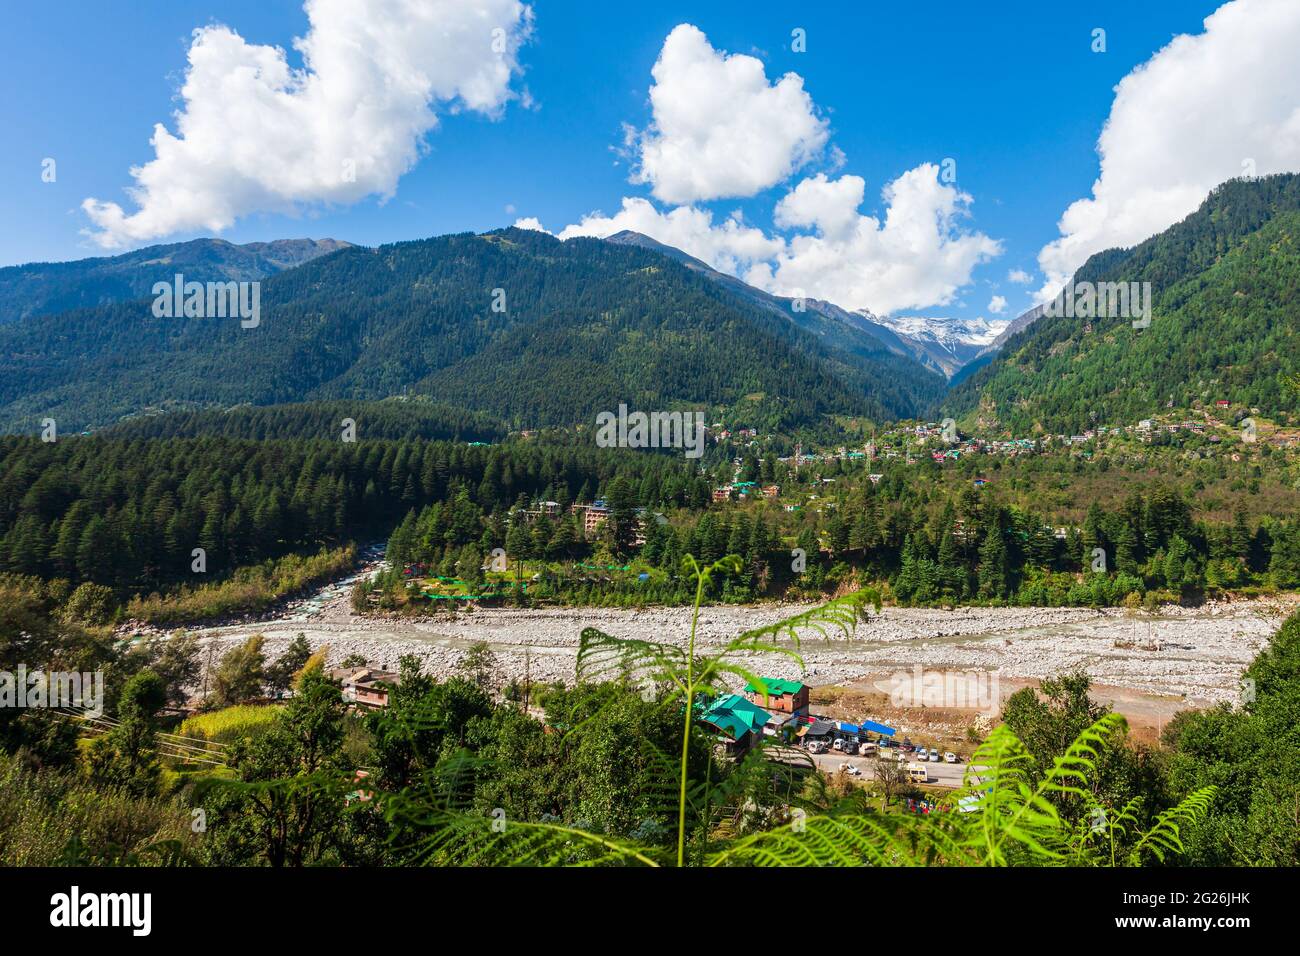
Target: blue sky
x,y
1012,92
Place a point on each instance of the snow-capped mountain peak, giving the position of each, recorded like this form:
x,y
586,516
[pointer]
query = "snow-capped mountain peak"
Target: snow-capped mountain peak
x,y
949,333
944,342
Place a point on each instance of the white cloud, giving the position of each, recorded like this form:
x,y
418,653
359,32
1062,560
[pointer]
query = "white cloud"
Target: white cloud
x,y
719,129
730,247
830,206
918,257
1019,277
1185,121
254,134
997,305
533,223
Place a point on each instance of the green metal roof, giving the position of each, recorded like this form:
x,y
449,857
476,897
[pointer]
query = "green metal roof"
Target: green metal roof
x,y
776,686
735,716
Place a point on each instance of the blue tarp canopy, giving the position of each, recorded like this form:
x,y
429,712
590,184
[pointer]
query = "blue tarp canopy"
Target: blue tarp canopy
x,y
847,728
877,728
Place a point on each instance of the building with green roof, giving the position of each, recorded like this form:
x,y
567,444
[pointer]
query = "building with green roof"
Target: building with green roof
x,y
738,722
780,695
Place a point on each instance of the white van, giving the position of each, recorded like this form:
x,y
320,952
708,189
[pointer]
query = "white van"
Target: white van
x,y
917,773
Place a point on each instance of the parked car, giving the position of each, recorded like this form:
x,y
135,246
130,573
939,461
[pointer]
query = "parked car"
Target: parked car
x,y
907,746
867,749
950,757
917,773
851,770
934,755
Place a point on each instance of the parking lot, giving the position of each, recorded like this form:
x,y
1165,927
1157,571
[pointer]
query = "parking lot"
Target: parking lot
x,y
941,774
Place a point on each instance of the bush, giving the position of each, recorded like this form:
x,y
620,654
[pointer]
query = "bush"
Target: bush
x,y
52,818
91,604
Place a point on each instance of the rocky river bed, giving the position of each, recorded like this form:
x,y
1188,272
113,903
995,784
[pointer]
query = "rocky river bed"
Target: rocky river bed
x,y
1193,655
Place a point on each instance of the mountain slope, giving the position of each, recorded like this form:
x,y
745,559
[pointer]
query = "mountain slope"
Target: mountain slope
x,y
1226,312
587,325
40,288
838,326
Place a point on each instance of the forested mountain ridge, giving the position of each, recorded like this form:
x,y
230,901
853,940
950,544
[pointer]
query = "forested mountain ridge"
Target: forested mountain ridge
x,y
40,288
1225,286
576,327
858,332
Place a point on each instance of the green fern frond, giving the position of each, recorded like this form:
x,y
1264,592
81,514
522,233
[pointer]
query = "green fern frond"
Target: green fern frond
x,y
603,657
1164,835
1072,768
840,616
467,839
712,668
827,840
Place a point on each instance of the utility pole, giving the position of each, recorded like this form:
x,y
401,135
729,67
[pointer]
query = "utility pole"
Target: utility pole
x,y
528,679
207,671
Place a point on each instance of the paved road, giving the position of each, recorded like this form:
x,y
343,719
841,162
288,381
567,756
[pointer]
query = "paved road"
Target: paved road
x,y
941,774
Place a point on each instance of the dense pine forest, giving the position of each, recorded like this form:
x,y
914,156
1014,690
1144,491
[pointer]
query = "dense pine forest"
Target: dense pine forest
x,y
128,513
394,419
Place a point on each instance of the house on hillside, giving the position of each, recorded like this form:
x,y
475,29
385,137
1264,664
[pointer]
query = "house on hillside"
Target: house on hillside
x,y
781,696
365,687
594,515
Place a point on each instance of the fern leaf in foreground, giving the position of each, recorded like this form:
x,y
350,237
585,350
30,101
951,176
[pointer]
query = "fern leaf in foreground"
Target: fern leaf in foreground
x,y
1163,837
837,616
466,839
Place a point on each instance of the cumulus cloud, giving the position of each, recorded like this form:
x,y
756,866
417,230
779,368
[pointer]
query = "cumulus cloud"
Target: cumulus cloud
x,y
1206,108
719,129
830,206
254,134
1019,277
997,305
918,256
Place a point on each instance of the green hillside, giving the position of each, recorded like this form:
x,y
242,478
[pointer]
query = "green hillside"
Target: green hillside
x,y
1225,286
